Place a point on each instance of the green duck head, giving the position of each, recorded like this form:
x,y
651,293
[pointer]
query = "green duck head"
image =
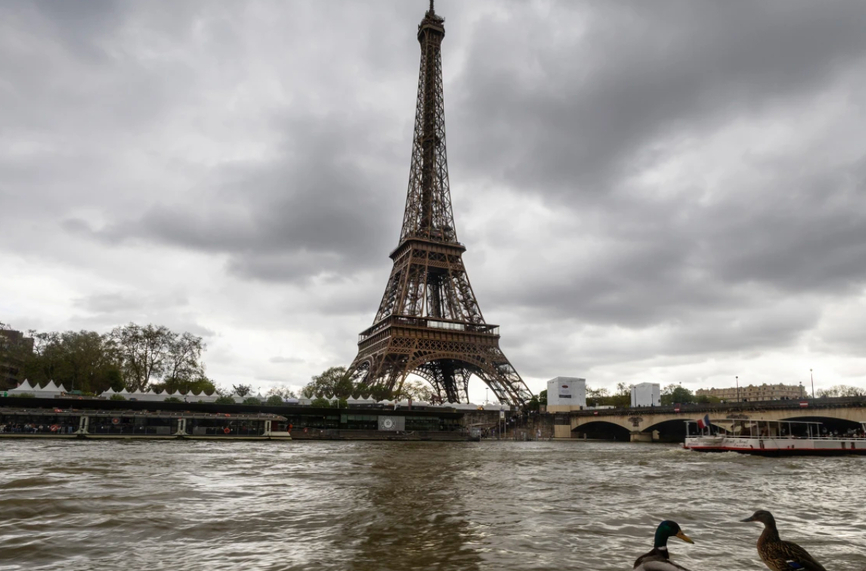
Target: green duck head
x,y
668,529
764,517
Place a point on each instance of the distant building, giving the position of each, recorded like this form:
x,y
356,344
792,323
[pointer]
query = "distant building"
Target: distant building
x,y
755,393
646,394
14,349
566,393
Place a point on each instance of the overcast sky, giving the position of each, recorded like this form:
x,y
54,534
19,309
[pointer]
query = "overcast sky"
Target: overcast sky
x,y
671,192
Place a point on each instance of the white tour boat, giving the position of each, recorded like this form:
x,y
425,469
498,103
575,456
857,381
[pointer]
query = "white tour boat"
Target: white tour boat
x,y
771,438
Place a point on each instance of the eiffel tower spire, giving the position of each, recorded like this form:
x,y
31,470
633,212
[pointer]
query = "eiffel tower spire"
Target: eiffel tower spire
x,y
429,322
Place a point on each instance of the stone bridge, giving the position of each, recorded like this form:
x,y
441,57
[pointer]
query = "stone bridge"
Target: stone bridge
x,y
645,423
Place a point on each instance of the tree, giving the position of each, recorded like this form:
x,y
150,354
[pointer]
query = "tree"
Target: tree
x,y
282,392
224,400
595,397
183,361
414,390
15,350
198,386
380,393
79,360
622,397
320,402
331,383
542,398
252,401
144,351
676,394
533,403
274,400
242,390
842,391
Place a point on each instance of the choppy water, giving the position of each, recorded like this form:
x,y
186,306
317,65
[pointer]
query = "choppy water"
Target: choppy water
x,y
398,505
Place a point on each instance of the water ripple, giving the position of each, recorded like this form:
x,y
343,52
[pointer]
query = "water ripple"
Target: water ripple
x,y
364,506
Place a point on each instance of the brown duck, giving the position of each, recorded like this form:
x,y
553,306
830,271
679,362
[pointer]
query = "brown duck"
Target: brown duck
x,y
781,555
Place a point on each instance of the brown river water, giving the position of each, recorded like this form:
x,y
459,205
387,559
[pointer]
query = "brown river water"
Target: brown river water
x,y
412,505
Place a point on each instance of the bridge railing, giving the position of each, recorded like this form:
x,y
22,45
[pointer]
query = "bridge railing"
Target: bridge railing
x,y
726,408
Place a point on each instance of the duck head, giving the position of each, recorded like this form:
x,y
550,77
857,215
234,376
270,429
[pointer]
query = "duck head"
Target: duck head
x,y
668,529
762,516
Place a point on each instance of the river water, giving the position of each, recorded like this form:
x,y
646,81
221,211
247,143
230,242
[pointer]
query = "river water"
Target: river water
x,y
402,505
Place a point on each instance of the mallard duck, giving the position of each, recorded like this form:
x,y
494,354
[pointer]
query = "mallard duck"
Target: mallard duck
x,y
658,558
781,555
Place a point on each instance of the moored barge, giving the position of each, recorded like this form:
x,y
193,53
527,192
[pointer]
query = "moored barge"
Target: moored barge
x,y
773,438
137,424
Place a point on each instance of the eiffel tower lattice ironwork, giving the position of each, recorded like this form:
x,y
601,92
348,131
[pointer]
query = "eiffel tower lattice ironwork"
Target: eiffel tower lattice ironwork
x,y
429,322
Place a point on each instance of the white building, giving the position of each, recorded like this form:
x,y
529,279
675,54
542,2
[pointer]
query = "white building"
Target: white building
x,y
646,394
566,393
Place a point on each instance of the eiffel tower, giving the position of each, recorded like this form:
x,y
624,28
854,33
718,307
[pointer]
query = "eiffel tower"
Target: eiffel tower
x,y
429,322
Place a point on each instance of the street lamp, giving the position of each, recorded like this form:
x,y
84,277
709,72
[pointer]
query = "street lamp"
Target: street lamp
x,y
813,383
486,395
737,380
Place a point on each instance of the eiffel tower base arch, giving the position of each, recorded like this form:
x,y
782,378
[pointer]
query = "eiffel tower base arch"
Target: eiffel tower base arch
x,y
447,360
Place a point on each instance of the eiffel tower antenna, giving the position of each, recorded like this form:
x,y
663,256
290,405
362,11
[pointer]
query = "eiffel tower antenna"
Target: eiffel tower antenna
x,y
429,322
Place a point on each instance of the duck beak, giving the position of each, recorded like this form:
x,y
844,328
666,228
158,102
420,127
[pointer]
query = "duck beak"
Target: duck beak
x,y
684,537
750,518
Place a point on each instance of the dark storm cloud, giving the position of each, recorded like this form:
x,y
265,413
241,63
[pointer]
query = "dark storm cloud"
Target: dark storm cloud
x,y
569,117
671,258
614,168
314,208
329,200
569,113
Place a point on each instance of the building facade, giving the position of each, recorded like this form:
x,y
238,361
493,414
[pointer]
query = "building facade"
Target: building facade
x,y
646,394
566,393
755,393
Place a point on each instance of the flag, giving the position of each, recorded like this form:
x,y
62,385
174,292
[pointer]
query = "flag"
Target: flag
x,y
704,422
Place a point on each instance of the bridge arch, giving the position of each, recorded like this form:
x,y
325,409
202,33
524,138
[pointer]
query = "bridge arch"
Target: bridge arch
x,y
602,429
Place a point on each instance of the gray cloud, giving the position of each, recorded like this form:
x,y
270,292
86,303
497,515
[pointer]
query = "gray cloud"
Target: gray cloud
x,y
638,186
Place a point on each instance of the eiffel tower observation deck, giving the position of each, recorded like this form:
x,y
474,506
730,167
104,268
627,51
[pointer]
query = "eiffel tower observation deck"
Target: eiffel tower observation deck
x,y
429,323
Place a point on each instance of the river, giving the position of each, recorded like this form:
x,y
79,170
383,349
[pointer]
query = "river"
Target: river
x,y
401,505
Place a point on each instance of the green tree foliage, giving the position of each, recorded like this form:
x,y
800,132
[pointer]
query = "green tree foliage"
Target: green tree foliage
x,y
282,392
331,383
79,360
320,402
533,403
15,349
183,361
274,400
673,394
842,391
131,356
224,400
380,393
622,397
596,397
417,391
144,351
242,390
187,386
117,397
252,401
542,398
172,399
